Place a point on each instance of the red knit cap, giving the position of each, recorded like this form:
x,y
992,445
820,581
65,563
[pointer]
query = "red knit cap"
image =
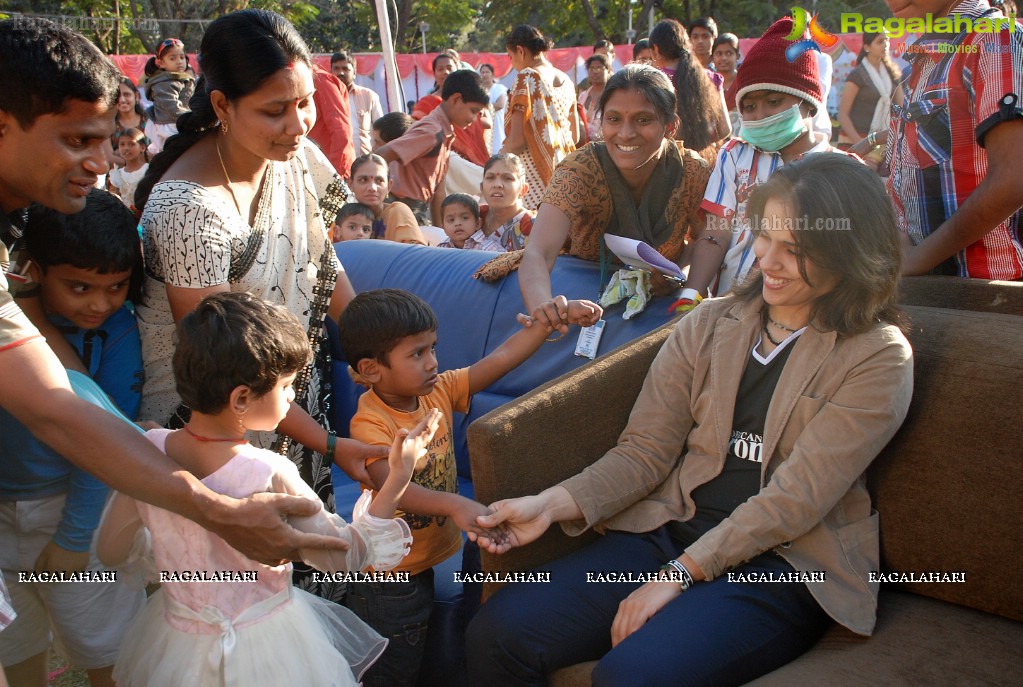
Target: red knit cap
x,y
765,68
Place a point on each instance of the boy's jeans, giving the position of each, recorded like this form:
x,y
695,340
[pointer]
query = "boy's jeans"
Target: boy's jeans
x,y
400,611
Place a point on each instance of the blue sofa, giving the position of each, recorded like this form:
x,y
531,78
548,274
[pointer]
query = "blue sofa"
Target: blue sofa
x,y
474,317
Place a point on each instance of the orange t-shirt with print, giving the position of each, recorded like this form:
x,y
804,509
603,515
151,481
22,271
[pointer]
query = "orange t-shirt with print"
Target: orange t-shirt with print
x,y
434,538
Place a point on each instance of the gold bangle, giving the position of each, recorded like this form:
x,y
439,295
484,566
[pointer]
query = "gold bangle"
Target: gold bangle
x,y
559,337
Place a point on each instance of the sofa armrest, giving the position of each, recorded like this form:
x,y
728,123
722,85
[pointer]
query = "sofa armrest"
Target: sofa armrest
x,y
957,293
552,433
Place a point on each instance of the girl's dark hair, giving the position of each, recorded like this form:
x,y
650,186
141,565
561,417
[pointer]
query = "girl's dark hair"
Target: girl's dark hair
x,y
599,57
650,81
135,134
239,51
889,64
126,81
728,39
449,54
152,67
488,66
696,96
445,55
843,222
528,37
366,159
103,236
132,132
232,340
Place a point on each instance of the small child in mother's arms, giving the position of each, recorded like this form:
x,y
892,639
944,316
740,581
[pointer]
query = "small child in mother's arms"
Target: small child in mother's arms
x,y
390,337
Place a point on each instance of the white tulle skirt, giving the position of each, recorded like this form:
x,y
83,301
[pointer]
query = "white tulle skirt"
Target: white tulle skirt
x,y
302,641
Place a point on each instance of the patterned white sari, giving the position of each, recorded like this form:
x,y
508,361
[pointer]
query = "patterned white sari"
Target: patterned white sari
x,y
194,239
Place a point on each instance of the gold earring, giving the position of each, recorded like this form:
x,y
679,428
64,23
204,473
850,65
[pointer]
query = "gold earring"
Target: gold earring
x,y
223,126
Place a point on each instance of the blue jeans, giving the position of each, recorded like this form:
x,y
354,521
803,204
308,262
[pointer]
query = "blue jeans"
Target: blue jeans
x,y
400,611
718,632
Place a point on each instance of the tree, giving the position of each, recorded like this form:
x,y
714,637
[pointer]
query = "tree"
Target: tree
x,y
450,22
138,26
583,22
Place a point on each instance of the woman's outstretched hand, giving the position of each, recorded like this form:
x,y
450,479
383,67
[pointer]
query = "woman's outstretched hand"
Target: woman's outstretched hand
x,y
523,520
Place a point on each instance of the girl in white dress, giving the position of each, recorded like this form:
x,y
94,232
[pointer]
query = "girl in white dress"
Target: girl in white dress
x,y
131,146
221,618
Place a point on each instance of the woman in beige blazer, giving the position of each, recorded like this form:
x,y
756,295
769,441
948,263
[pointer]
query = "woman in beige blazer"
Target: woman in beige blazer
x,y
734,505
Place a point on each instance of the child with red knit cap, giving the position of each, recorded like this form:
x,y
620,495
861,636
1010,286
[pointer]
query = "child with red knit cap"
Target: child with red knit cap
x,y
777,100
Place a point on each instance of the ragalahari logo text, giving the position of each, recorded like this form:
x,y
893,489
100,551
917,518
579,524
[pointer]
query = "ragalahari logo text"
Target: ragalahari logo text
x,y
819,37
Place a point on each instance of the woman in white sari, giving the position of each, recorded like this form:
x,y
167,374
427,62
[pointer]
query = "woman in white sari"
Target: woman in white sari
x,y
869,92
241,201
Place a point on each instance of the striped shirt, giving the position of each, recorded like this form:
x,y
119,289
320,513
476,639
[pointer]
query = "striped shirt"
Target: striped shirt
x,y
951,100
740,168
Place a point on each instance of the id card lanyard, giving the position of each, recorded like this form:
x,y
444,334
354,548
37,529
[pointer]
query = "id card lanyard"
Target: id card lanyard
x,y
589,337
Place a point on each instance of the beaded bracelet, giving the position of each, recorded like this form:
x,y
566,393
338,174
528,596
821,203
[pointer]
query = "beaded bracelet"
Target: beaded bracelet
x,y
675,569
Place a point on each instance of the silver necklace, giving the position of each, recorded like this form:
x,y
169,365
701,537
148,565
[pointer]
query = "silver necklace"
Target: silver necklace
x,y
779,325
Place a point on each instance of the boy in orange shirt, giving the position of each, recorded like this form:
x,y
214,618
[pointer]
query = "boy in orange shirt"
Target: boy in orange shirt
x,y
389,337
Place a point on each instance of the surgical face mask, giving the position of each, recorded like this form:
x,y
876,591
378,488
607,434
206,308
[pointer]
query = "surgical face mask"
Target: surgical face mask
x,y
773,133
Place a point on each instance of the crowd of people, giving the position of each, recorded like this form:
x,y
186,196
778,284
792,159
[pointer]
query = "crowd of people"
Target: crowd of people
x,y
240,176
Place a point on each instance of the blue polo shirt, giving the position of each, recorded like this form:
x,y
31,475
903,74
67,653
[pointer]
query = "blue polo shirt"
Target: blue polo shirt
x,y
112,353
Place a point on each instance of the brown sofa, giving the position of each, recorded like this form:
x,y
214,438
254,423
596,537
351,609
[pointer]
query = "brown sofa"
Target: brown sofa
x,y
949,487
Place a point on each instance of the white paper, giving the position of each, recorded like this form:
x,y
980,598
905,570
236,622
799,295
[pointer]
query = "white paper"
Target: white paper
x,y
639,254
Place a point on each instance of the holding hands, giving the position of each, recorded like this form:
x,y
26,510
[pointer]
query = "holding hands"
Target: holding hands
x,y
559,312
469,515
524,519
521,520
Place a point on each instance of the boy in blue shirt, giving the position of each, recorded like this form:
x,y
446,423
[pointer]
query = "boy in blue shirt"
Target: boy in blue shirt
x,y
85,265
